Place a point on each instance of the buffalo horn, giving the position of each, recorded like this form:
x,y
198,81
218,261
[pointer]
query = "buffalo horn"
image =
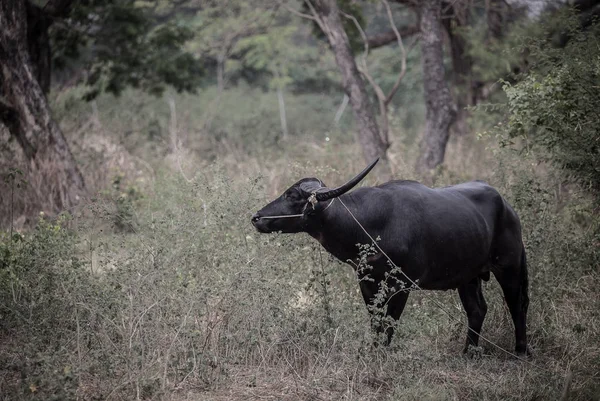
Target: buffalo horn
x,y
334,193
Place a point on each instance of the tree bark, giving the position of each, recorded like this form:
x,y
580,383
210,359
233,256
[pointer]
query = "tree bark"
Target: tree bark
x,y
25,110
456,17
440,109
372,144
38,43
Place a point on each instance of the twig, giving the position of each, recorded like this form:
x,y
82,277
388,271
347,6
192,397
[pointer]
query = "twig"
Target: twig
x,y
168,353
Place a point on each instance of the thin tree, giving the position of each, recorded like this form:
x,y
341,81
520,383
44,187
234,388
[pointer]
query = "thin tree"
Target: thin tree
x,y
440,108
383,99
326,14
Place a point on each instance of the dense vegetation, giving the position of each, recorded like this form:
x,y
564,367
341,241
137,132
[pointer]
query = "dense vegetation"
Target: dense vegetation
x,y
157,286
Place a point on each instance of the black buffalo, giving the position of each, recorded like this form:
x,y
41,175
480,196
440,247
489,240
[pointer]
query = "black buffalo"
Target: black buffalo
x,y
442,238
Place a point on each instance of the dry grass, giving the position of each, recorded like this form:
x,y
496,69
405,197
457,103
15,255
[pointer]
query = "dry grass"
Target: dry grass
x,y
193,304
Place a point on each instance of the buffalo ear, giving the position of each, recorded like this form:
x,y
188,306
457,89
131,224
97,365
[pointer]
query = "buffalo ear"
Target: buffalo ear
x,y
308,187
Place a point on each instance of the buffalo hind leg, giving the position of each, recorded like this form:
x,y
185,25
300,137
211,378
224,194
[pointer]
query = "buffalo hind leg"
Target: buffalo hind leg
x,y
395,306
474,303
383,316
514,283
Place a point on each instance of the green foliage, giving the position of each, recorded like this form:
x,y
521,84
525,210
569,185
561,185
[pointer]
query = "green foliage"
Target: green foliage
x,y
37,271
125,196
262,44
121,43
272,53
495,58
220,25
556,106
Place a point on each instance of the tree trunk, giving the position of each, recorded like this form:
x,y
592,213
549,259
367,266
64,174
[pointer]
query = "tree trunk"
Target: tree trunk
x,y
25,110
456,17
368,132
38,43
496,13
282,117
440,109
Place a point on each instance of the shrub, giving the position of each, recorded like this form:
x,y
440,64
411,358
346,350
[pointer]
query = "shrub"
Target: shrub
x,y
555,107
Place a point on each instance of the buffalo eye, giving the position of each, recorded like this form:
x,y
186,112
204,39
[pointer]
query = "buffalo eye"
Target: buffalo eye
x,y
292,195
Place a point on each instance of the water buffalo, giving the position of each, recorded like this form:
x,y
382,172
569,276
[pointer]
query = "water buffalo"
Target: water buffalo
x,y
441,238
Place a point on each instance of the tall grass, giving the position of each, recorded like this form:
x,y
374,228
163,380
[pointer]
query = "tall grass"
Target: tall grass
x,y
159,288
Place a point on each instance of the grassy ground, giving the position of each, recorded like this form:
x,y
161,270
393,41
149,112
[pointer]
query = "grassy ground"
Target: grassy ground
x,y
159,288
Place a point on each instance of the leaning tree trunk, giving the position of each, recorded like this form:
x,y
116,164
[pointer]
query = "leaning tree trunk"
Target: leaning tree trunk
x,y
24,109
440,109
369,137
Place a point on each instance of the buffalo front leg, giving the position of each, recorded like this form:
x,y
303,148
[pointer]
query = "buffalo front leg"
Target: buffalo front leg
x,y
474,303
384,310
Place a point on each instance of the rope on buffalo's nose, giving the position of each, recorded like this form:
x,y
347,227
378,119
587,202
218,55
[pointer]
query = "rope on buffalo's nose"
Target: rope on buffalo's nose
x,y
312,200
438,304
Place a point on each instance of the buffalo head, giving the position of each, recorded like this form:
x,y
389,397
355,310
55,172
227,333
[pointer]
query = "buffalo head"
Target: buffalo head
x,y
292,211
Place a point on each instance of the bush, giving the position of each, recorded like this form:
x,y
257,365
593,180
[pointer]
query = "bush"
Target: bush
x,y
39,275
555,107
191,292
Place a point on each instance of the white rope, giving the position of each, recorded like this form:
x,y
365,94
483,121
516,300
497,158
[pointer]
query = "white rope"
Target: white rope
x,y
298,215
282,217
438,304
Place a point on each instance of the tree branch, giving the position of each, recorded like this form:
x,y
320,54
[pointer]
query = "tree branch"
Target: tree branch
x,y
388,37
318,19
364,70
394,89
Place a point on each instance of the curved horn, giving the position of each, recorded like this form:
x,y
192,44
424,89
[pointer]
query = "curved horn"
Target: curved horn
x,y
334,193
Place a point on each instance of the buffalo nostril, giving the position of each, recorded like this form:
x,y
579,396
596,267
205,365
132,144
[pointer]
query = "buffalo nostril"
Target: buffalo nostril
x,y
255,218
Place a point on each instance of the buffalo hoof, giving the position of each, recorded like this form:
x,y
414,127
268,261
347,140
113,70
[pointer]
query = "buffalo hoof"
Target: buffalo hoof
x,y
524,353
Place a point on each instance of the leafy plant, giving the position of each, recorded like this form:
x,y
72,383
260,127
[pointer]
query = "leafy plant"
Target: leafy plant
x,y
556,106
123,43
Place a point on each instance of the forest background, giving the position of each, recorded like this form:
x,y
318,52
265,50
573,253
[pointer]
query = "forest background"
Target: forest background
x,y
138,137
